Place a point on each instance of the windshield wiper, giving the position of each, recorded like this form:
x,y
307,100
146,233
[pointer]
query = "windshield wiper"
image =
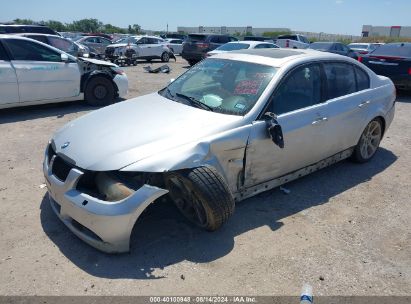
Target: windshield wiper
x,y
195,102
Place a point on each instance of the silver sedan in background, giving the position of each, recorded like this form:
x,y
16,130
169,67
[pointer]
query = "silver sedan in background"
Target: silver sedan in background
x,y
234,125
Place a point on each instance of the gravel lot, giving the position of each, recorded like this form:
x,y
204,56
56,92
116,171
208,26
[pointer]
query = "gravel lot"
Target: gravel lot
x,y
345,230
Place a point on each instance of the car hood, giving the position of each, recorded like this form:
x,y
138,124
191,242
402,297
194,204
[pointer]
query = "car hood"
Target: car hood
x,y
124,133
216,52
98,62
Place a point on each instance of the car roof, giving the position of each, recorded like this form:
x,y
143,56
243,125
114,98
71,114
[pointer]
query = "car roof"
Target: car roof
x,y
209,34
279,56
92,36
21,25
36,34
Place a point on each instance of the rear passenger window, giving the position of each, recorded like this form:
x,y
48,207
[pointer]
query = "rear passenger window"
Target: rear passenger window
x,y
340,79
363,81
302,88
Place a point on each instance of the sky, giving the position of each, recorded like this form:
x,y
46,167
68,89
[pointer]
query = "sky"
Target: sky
x,y
328,16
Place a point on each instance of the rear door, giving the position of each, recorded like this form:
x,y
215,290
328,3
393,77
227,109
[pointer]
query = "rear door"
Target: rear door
x,y
155,47
40,72
143,47
348,98
8,80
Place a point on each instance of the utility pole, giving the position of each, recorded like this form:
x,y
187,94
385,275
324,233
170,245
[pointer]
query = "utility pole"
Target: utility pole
x,y
167,28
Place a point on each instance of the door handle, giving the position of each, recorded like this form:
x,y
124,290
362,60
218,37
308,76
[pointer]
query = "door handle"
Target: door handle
x,y
319,120
363,104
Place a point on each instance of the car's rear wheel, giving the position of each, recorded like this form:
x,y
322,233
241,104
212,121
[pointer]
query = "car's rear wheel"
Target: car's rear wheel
x,y
202,196
165,57
99,91
369,141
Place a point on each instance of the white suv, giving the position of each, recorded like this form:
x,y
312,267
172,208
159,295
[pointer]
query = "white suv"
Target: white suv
x,y
139,47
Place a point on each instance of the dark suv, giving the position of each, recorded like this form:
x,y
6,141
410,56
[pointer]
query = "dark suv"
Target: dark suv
x,y
21,29
196,46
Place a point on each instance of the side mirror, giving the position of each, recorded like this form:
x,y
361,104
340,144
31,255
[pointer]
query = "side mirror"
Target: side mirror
x,y
64,58
274,130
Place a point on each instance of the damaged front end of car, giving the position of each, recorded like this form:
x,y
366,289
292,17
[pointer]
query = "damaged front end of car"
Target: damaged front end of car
x,y
100,208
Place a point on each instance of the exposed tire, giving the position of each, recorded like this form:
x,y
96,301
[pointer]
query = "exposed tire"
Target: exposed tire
x,y
202,196
165,57
369,141
99,91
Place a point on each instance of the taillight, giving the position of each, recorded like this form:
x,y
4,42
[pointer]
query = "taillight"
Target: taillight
x,y
202,45
359,58
287,43
409,71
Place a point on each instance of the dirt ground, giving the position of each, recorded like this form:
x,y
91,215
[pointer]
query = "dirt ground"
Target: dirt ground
x,y
345,230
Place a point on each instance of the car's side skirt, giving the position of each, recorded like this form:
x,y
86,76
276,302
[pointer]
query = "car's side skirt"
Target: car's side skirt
x,y
265,186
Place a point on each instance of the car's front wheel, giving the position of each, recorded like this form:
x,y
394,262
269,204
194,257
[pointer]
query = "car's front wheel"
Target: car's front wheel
x,y
99,91
165,57
202,196
369,141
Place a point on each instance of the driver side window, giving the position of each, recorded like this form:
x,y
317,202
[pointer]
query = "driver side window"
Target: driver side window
x,y
301,89
30,51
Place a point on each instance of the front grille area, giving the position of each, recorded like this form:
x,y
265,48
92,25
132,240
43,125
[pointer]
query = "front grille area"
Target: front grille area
x,y
61,168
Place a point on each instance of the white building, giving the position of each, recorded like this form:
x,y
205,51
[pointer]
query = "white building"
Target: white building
x,y
230,30
388,31
259,31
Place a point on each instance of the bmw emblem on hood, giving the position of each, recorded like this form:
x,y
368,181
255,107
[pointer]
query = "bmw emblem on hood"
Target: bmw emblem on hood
x,y
65,145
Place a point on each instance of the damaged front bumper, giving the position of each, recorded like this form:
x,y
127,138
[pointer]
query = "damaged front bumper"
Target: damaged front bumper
x,y
102,224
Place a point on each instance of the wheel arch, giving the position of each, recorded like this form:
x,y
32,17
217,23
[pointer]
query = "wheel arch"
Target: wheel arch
x,y
85,79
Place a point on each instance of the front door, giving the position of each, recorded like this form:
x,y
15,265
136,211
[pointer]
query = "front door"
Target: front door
x,y
40,72
298,102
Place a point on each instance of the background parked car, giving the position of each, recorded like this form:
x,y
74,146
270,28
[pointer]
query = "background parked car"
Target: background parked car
x,y
175,45
333,47
66,45
292,41
242,45
174,35
141,47
97,45
392,60
364,48
35,73
197,46
18,29
258,38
